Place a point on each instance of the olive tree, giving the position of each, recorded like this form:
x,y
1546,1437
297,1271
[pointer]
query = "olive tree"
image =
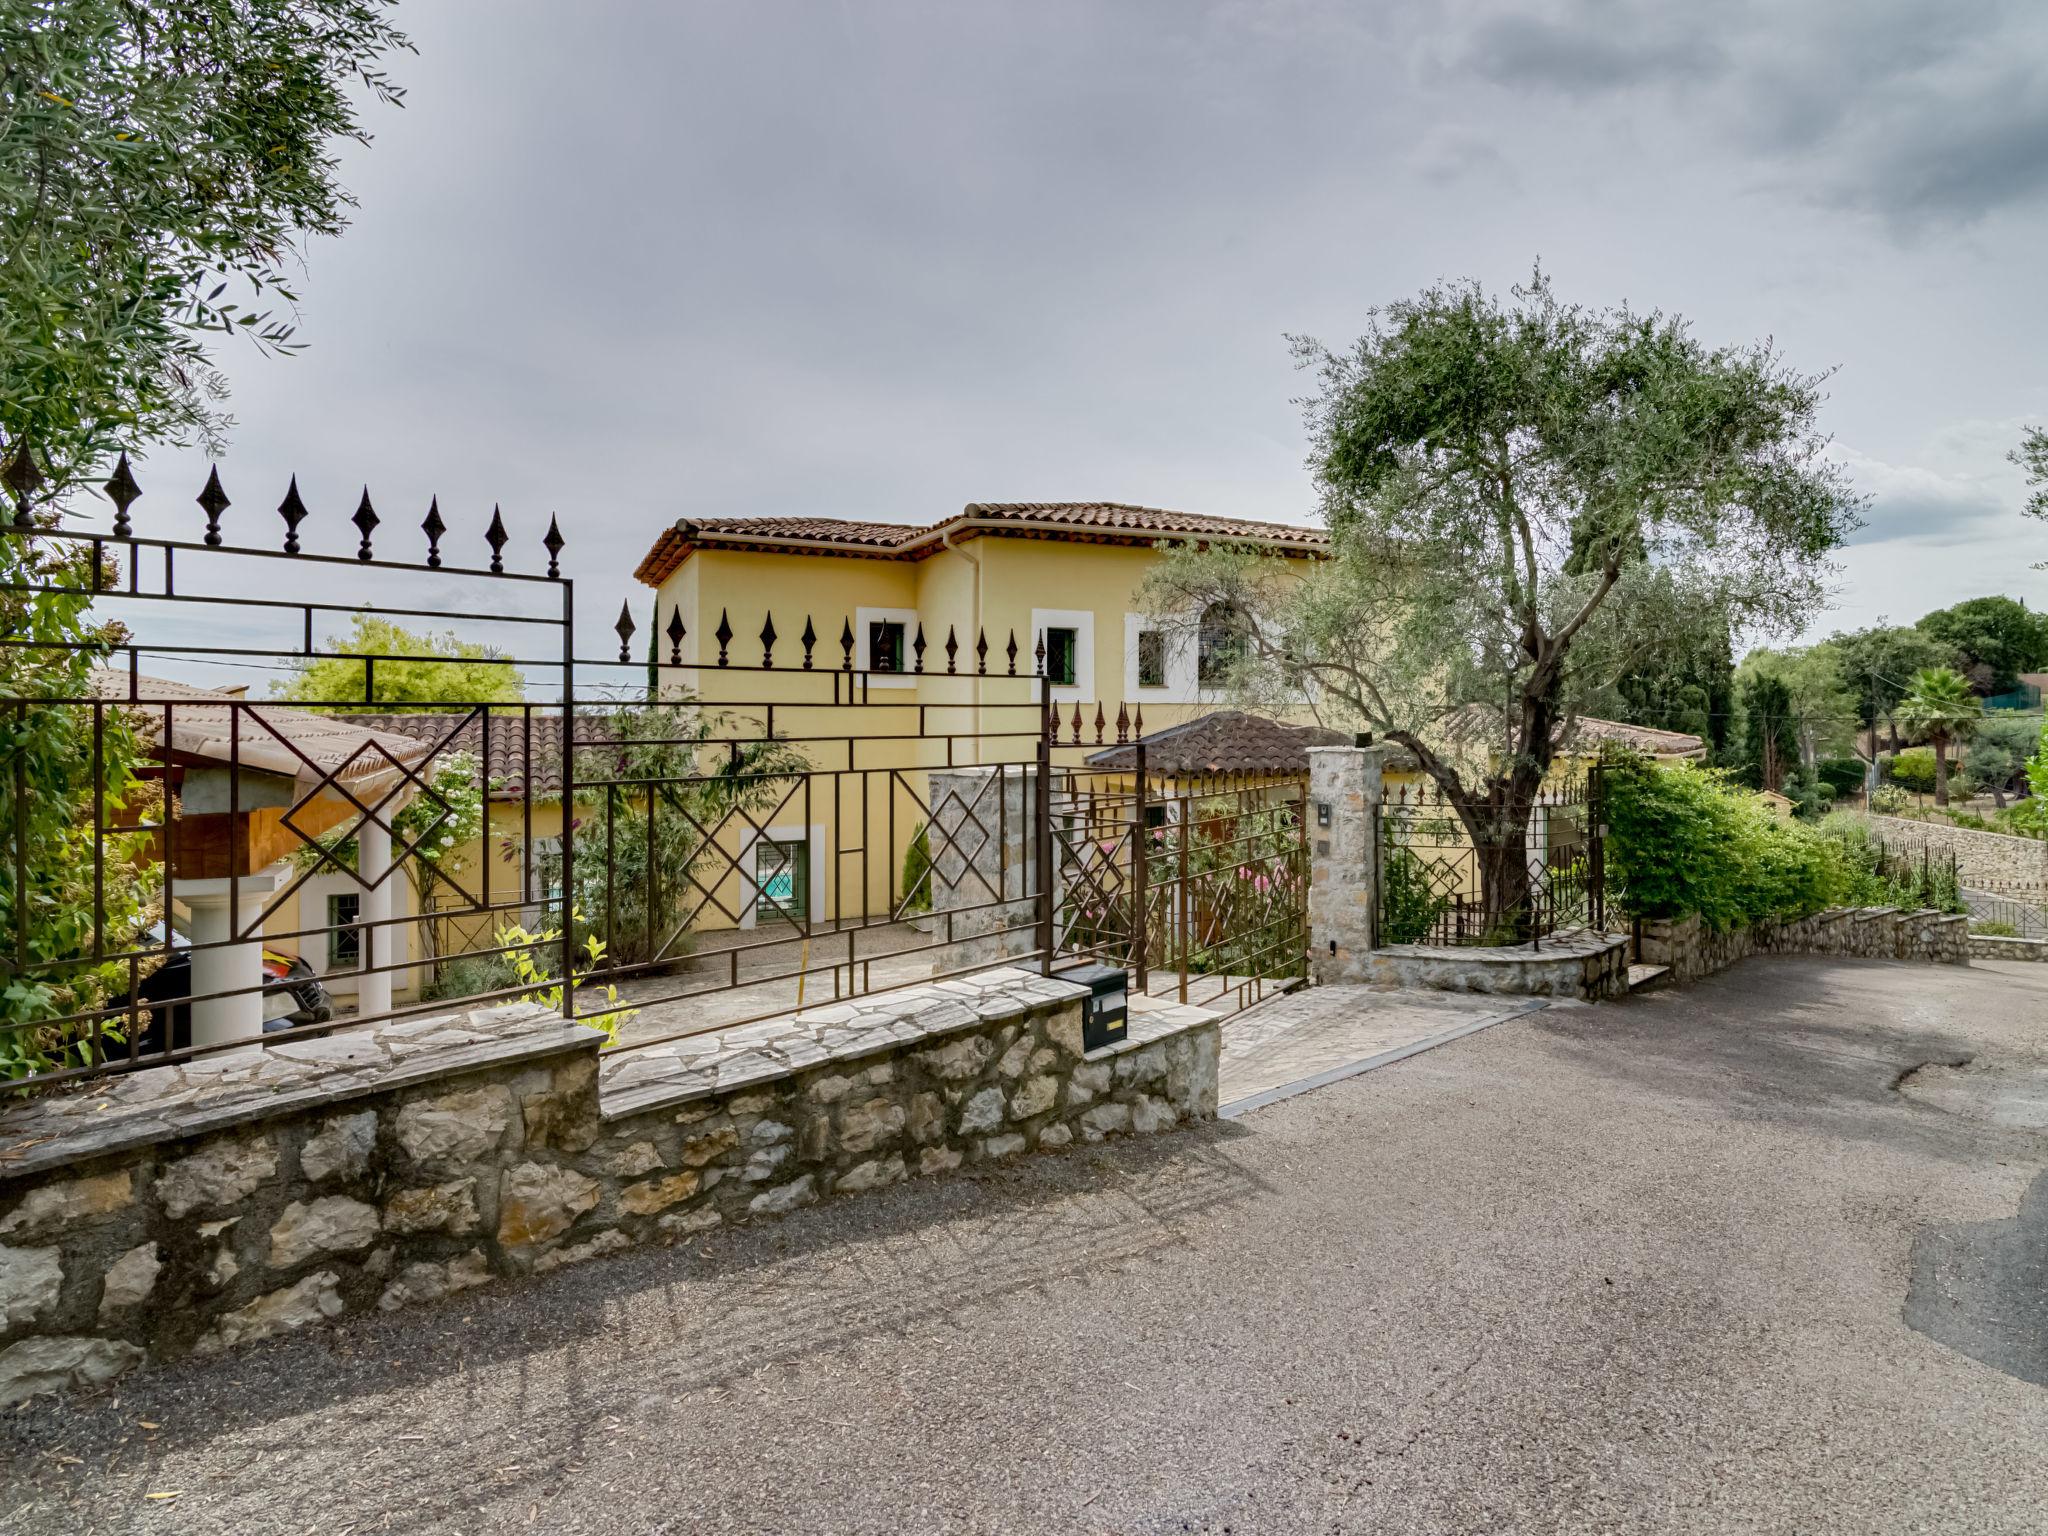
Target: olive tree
x,y
1520,494
160,160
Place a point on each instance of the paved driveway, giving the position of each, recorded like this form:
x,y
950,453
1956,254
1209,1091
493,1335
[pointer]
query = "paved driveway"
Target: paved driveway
x,y
1743,1258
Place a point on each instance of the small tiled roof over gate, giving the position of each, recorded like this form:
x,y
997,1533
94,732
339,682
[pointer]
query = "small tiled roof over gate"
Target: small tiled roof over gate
x,y
1227,742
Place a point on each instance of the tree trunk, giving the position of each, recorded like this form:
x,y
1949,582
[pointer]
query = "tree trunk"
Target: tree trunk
x,y
1940,769
1507,909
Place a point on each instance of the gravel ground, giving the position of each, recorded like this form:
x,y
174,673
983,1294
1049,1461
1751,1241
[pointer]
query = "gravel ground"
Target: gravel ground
x,y
1641,1267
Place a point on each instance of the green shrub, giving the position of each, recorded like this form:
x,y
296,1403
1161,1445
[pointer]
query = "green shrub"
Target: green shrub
x,y
1410,906
1995,930
470,976
1914,769
1889,799
917,871
1869,876
1684,839
1843,775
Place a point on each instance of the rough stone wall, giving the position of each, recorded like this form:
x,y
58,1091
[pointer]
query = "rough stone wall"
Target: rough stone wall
x,y
1867,933
1980,856
984,864
1591,967
329,1200
1990,946
1344,863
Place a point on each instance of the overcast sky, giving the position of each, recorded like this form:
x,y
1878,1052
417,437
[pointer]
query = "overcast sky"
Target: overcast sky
x,y
630,262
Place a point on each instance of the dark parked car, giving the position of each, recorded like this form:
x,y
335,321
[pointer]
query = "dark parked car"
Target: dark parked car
x,y
292,995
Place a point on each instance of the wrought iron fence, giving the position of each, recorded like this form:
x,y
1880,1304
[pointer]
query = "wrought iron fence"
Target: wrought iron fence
x,y
680,833
1199,882
2014,910
1438,887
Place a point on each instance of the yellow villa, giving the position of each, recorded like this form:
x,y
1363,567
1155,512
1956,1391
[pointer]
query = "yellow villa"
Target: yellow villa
x,y
939,633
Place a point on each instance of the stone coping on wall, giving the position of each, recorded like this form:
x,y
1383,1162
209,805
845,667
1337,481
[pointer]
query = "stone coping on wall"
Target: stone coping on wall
x,y
675,1072
1573,944
1580,963
263,1080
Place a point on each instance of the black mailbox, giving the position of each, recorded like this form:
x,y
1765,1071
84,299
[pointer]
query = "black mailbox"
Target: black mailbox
x,y
1106,1012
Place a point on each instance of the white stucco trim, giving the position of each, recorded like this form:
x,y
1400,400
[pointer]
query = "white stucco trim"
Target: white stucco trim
x,y
907,617
1082,622
814,849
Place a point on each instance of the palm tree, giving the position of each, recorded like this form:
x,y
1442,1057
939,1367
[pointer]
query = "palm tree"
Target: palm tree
x,y
1941,707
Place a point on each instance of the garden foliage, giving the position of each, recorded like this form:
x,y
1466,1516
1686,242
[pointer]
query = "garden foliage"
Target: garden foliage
x,y
1684,839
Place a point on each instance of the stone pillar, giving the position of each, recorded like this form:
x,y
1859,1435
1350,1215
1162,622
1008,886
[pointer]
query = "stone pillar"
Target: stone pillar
x,y
984,864
373,864
1344,794
227,972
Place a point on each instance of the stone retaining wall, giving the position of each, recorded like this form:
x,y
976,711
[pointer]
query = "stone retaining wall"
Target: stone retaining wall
x,y
196,1207
1692,950
1980,856
1991,946
1589,966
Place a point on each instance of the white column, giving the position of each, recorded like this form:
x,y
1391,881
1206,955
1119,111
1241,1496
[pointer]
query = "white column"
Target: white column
x,y
222,964
373,863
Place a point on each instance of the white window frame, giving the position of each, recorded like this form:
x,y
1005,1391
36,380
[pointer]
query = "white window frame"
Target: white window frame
x,y
1082,622
907,617
813,837
1179,687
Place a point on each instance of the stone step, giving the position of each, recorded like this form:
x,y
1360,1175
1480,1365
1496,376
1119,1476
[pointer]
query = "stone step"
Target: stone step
x,y
1647,978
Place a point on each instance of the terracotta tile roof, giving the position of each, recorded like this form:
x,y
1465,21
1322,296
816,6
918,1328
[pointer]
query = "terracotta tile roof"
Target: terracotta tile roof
x,y
1229,741
1477,725
1593,732
262,736
507,763
1091,521
1121,517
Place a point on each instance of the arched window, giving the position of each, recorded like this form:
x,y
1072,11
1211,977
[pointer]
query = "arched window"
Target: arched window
x,y
1221,644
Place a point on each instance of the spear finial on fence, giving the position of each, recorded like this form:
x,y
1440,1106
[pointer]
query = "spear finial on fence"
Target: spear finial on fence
x,y
365,521
554,542
917,646
121,491
1077,722
433,527
1100,722
1123,723
214,501
1138,722
981,654
768,640
1038,656
952,648
24,479
625,630
676,630
1013,653
846,644
810,640
497,538
723,635
293,510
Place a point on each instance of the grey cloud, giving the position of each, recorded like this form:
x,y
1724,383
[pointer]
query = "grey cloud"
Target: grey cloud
x,y
1922,113
1601,48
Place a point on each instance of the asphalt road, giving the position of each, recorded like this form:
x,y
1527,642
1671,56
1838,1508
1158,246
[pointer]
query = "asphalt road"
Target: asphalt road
x,y
1745,1258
